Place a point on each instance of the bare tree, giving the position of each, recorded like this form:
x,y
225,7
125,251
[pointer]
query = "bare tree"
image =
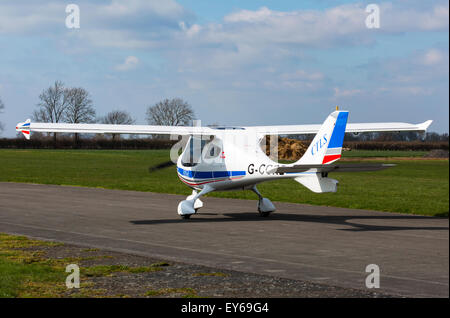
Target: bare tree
x,y
2,107
53,103
173,112
79,108
117,117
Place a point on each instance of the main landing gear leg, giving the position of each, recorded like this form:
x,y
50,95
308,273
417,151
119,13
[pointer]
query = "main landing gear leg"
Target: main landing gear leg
x,y
192,203
265,206
197,203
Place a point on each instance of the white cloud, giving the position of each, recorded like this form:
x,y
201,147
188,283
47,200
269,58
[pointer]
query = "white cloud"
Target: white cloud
x,y
249,16
133,22
400,19
131,62
195,85
407,90
419,67
246,38
30,18
340,25
346,92
265,27
421,73
193,30
165,23
167,8
303,75
433,57
298,80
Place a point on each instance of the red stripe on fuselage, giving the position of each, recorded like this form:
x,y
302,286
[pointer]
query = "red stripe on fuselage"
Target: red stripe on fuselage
x,y
200,183
330,158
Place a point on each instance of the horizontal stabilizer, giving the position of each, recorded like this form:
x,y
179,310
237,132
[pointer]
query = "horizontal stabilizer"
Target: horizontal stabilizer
x,y
358,167
318,184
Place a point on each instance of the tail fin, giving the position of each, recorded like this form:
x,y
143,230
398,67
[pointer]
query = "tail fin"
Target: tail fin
x,y
326,146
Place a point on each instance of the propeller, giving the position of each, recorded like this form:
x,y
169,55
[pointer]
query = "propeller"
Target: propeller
x,y
161,166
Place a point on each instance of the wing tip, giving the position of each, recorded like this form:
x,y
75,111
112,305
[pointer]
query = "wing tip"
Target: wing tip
x,y
24,128
424,126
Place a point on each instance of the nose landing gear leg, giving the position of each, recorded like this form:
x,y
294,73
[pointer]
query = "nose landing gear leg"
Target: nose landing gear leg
x,y
192,203
197,203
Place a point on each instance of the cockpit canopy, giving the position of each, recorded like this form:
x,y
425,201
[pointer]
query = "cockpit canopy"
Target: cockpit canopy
x,y
199,149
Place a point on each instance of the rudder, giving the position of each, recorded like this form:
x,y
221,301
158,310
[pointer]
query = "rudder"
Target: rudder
x,y
326,146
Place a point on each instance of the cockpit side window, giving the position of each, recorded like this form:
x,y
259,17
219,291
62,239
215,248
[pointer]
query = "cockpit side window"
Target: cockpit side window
x,y
192,153
212,151
199,148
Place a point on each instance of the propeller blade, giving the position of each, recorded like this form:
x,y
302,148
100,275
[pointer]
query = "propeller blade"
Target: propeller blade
x,y
161,166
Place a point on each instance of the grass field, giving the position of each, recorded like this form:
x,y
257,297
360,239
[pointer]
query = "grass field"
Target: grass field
x,y
413,186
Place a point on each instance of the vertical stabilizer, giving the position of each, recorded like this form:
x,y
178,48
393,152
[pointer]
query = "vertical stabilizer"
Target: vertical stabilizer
x,y
326,146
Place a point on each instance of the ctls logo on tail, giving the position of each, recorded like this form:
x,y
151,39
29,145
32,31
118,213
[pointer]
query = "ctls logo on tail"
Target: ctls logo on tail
x,y
319,144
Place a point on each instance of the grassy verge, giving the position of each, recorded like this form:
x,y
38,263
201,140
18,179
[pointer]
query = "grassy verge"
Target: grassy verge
x,y
417,187
26,269
33,268
24,273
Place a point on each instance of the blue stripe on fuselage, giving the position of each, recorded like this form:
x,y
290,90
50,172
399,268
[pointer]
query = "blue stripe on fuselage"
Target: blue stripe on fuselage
x,y
209,174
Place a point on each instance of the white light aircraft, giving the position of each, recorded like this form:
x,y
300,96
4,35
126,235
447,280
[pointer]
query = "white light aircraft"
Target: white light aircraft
x,y
230,158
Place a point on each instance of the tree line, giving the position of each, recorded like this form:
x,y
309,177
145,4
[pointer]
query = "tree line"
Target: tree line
x,y
74,105
61,104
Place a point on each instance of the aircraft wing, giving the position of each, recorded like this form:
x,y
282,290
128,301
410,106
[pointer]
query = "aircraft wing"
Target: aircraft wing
x,y
28,126
358,167
351,128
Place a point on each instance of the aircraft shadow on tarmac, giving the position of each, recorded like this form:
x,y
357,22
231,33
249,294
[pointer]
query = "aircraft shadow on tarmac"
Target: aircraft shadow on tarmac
x,y
325,219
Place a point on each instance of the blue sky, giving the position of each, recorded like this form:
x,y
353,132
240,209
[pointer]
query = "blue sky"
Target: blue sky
x,y
236,62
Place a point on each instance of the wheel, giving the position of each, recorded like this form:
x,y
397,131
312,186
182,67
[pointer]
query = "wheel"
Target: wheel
x,y
265,207
186,216
263,214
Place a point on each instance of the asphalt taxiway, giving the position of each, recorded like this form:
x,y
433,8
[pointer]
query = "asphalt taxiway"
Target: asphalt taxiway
x,y
320,244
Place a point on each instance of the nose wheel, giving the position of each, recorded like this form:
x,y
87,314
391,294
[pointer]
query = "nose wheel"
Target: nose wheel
x,y
192,203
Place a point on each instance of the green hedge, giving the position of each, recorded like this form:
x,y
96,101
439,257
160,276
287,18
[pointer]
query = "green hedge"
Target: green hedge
x,y
92,143
396,145
64,142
